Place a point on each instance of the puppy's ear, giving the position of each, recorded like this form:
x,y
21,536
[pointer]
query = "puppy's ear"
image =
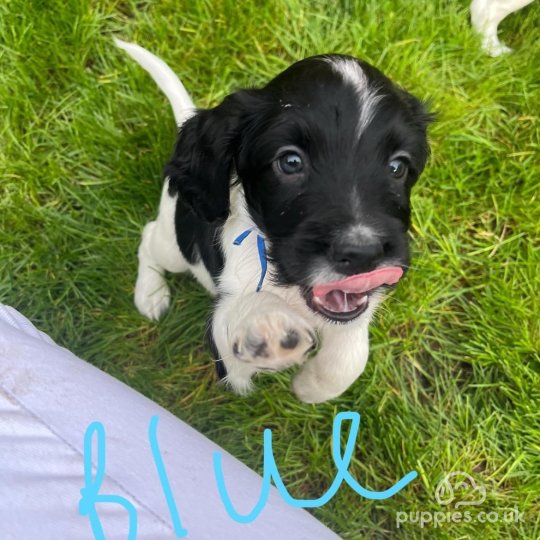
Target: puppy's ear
x,y
421,118
201,165
419,110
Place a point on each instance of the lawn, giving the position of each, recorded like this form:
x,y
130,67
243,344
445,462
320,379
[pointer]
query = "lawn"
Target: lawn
x,y
453,379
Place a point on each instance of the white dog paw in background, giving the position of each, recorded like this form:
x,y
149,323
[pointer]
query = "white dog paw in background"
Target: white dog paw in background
x,y
486,16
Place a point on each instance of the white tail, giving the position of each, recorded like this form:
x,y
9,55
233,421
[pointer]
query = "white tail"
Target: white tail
x,y
170,84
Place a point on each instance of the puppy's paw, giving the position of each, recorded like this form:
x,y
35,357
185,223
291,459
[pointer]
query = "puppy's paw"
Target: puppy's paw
x,y
152,295
492,46
273,340
497,49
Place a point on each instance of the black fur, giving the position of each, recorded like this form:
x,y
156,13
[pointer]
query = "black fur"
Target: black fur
x,y
311,108
198,239
221,370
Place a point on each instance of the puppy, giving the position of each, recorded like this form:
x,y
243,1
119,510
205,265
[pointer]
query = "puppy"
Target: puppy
x,y
486,16
290,204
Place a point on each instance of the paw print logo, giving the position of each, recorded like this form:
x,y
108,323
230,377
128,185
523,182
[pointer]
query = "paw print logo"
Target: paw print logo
x,y
461,487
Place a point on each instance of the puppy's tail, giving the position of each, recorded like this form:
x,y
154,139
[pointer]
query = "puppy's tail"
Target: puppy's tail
x,y
170,84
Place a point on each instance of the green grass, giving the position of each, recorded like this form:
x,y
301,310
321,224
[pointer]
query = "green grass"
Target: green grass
x,y
453,379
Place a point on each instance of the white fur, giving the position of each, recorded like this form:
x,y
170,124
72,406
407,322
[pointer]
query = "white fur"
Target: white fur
x,y
159,253
257,316
368,97
165,78
241,314
360,233
486,16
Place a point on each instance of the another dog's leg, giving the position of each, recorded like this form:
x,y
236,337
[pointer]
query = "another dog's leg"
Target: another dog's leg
x,y
158,252
486,16
256,332
338,364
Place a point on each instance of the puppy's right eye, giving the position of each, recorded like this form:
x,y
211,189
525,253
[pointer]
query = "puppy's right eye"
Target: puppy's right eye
x,y
290,163
398,168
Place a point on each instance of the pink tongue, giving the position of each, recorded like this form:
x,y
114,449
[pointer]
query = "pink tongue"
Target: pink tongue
x,y
361,283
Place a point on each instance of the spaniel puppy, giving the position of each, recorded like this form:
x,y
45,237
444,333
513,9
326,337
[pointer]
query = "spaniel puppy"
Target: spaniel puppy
x,y
290,204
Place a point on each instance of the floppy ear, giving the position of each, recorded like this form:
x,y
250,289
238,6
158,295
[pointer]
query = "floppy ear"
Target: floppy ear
x,y
201,165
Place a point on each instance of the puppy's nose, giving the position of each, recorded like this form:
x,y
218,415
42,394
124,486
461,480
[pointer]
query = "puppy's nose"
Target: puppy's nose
x,y
355,258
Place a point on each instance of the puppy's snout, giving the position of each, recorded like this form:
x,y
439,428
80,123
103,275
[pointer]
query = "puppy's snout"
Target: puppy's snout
x,y
355,258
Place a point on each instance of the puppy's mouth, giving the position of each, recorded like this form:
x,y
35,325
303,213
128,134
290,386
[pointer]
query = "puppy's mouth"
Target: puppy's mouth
x,y
344,300
338,305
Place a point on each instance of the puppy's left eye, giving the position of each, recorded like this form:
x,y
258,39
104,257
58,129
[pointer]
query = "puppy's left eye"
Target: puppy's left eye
x,y
290,163
398,168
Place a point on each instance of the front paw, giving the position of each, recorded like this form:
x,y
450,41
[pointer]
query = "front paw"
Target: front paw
x,y
272,341
152,295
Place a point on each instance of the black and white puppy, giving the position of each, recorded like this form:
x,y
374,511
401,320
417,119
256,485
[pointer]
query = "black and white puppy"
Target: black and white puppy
x,y
318,165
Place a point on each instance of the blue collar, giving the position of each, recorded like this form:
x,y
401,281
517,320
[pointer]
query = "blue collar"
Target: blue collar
x,y
261,248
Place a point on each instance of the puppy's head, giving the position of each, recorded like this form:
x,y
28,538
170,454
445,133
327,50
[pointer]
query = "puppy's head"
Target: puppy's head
x,y
327,154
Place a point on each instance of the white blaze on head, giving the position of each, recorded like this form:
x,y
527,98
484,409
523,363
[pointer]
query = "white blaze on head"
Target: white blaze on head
x,y
353,74
359,234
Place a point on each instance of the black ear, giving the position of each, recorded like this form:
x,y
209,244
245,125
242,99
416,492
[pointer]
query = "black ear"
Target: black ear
x,y
201,165
421,118
419,110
